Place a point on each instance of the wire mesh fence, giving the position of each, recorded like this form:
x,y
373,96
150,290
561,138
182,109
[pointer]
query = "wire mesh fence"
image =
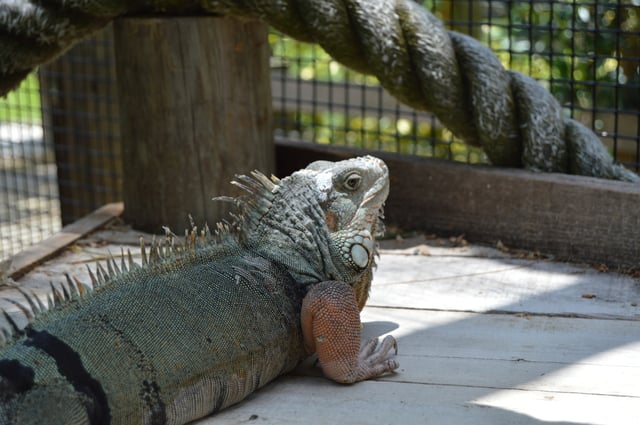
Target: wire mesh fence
x,y
59,132
29,206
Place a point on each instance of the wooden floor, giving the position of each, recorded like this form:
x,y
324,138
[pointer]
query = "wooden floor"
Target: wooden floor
x,y
485,337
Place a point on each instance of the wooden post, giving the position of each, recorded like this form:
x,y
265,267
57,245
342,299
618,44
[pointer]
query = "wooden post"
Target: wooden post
x,y
195,102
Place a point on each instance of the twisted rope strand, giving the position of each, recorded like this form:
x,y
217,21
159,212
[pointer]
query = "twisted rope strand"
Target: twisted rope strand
x,y
516,121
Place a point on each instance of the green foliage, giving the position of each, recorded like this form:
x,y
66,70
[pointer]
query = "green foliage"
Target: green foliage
x,y
583,51
310,62
366,128
402,135
23,104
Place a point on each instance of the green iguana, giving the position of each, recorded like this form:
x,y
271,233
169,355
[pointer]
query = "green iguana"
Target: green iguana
x,y
199,329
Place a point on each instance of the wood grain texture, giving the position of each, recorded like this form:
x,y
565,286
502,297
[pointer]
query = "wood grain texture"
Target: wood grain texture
x,y
477,284
316,401
571,217
465,368
196,109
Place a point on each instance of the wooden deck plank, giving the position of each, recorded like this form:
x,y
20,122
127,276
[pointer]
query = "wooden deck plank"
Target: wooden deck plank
x,y
507,352
485,284
445,378
30,257
316,401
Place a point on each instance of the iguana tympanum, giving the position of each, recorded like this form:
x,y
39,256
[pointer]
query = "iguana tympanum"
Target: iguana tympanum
x,y
198,329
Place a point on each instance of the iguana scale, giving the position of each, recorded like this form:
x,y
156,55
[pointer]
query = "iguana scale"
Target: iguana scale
x,y
199,329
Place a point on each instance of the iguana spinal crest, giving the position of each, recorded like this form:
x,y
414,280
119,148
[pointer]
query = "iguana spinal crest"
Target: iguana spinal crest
x,y
198,329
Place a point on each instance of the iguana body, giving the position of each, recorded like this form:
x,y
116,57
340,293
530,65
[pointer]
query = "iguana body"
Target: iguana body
x,y
192,333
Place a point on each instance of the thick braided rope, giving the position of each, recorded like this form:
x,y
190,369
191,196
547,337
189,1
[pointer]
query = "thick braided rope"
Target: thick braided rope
x,y
516,121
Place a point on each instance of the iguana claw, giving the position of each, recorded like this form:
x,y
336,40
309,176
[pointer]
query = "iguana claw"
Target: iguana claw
x,y
374,359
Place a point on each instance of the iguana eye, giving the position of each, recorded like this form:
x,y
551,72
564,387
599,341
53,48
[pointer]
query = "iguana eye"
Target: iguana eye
x,y
352,181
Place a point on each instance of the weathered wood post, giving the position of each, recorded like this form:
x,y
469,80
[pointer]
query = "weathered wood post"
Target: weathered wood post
x,y
195,102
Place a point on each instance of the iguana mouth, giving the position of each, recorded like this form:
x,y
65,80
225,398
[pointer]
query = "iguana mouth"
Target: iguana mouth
x,y
371,209
378,193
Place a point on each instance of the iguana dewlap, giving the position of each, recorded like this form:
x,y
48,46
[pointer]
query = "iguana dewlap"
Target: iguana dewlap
x,y
199,329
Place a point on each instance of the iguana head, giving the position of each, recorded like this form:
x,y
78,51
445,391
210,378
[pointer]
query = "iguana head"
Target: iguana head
x,y
321,221
354,193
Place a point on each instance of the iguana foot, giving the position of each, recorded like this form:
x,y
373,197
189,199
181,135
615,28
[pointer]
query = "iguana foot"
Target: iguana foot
x,y
374,359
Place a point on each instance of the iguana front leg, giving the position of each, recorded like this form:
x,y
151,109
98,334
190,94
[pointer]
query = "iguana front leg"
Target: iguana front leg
x,y
331,328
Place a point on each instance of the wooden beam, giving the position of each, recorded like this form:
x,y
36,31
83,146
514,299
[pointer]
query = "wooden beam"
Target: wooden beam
x,y
195,106
570,217
25,260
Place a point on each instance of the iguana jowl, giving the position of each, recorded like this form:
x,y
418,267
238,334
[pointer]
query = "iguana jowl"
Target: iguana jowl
x,y
199,329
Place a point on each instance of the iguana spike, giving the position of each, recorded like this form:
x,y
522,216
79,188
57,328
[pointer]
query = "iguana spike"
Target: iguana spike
x,y
171,245
57,298
154,254
66,294
15,329
123,264
143,252
41,307
242,186
80,287
167,248
110,269
264,180
27,312
92,276
229,199
192,238
132,264
35,308
114,264
250,182
103,277
71,287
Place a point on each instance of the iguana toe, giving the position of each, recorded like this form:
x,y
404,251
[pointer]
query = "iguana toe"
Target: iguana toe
x,y
374,359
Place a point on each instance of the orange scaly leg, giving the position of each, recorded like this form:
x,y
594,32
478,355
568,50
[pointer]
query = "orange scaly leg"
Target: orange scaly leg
x,y
331,328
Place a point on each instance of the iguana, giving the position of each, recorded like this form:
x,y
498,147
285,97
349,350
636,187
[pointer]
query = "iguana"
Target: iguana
x,y
199,329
